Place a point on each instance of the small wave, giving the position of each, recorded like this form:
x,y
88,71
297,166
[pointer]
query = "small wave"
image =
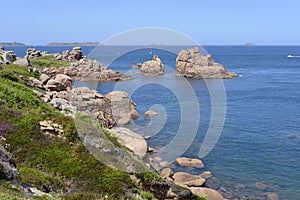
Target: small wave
x,y
291,56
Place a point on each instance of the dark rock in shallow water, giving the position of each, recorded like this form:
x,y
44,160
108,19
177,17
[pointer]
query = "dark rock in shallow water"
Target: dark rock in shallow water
x,y
272,196
260,185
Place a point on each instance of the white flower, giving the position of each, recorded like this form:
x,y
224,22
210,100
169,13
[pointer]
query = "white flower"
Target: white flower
x,y
2,138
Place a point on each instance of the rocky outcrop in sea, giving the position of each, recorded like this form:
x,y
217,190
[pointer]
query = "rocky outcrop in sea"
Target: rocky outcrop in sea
x,y
191,64
152,67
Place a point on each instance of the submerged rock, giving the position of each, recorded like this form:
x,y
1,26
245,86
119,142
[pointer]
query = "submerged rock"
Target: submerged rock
x,y
191,64
272,196
260,185
206,174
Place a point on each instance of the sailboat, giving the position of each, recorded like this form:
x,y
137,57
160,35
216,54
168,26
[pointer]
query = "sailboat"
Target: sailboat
x,y
290,56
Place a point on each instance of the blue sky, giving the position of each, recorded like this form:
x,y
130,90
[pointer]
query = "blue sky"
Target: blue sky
x,y
263,22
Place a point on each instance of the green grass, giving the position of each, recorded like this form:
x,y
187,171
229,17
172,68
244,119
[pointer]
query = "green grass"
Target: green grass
x,y
148,195
48,62
148,178
17,73
9,192
62,165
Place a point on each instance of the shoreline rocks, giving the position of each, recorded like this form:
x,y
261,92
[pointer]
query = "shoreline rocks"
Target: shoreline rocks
x,y
189,162
131,140
150,113
187,180
81,67
191,64
209,193
60,82
123,108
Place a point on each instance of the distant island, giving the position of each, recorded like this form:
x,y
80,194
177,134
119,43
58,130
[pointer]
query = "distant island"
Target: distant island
x,y
11,44
248,44
73,44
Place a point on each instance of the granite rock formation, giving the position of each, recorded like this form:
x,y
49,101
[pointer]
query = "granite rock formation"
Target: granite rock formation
x,y
152,67
191,64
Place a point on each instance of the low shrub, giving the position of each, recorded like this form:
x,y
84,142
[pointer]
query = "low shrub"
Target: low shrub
x,y
47,62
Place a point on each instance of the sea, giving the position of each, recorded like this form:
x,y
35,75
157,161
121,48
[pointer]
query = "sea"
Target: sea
x,y
256,148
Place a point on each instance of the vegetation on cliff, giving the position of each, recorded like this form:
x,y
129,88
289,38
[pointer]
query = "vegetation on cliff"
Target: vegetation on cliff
x,y
63,166
48,62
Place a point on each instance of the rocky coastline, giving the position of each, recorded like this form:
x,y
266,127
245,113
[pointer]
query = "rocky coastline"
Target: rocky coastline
x,y
113,110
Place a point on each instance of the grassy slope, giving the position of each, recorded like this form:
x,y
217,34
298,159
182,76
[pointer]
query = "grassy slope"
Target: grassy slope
x,y
47,62
65,166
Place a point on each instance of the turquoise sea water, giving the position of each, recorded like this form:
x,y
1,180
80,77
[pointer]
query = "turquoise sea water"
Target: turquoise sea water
x,y
260,141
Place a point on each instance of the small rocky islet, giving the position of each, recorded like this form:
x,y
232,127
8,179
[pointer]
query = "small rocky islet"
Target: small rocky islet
x,y
114,110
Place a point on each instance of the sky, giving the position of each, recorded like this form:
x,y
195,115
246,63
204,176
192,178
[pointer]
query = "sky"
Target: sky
x,y
210,22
